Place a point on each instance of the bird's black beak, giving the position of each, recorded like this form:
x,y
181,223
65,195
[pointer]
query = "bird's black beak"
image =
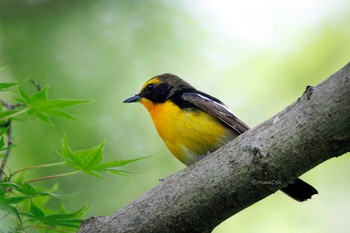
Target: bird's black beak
x,y
132,99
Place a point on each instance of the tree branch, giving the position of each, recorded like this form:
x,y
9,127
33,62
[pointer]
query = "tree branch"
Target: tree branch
x,y
9,140
266,158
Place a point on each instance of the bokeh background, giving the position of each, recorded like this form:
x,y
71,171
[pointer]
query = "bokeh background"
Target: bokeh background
x,y
256,56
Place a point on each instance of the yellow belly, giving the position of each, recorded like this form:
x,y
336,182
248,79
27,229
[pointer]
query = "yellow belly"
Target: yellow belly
x,y
187,133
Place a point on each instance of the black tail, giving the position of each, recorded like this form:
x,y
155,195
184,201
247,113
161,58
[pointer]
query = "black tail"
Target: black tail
x,y
299,190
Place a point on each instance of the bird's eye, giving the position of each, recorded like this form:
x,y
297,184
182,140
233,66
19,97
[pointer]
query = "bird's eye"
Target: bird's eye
x,y
150,87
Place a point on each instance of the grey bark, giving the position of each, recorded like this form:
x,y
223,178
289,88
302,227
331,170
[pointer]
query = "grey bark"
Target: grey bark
x,y
266,158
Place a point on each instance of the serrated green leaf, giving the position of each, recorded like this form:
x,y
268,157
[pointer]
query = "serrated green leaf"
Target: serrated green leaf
x,y
2,194
70,156
44,109
3,130
118,163
4,86
92,157
64,103
29,215
89,160
36,211
82,159
60,114
66,219
63,208
24,97
40,96
93,173
57,195
12,185
42,116
76,214
115,171
74,223
14,200
2,143
113,166
28,190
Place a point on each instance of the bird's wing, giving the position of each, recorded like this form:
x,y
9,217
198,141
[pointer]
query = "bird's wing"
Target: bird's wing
x,y
216,109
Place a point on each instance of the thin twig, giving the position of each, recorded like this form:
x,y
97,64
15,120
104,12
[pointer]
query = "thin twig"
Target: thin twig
x,y
9,106
9,140
8,150
37,85
37,166
53,176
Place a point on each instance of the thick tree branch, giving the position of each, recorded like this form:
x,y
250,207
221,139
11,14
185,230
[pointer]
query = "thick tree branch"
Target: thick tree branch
x,y
266,158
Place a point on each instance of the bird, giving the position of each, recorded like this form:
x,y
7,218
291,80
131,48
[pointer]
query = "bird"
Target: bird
x,y
193,124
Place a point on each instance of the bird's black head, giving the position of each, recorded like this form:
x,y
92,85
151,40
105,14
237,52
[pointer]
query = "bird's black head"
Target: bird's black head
x,y
160,88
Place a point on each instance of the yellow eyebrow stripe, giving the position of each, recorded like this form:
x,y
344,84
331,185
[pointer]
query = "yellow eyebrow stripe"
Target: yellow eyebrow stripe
x,y
154,80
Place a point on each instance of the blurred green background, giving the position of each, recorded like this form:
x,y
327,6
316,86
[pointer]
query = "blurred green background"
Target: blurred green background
x,y
257,57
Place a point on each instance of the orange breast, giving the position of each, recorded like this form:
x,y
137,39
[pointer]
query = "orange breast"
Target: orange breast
x,y
187,133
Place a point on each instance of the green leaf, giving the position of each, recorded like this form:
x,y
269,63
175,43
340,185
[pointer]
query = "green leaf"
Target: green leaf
x,y
74,223
14,200
82,159
89,160
118,163
28,190
42,116
57,195
76,214
2,194
36,211
24,97
113,166
45,109
29,215
115,171
3,130
92,157
2,143
64,103
60,114
67,154
7,185
40,97
4,86
71,220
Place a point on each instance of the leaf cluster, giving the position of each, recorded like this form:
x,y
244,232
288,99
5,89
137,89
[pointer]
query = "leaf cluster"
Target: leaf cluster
x,y
20,205
39,105
17,200
90,160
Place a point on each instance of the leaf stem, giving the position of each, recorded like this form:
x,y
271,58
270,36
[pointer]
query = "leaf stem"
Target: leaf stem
x,y
37,166
53,176
14,114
